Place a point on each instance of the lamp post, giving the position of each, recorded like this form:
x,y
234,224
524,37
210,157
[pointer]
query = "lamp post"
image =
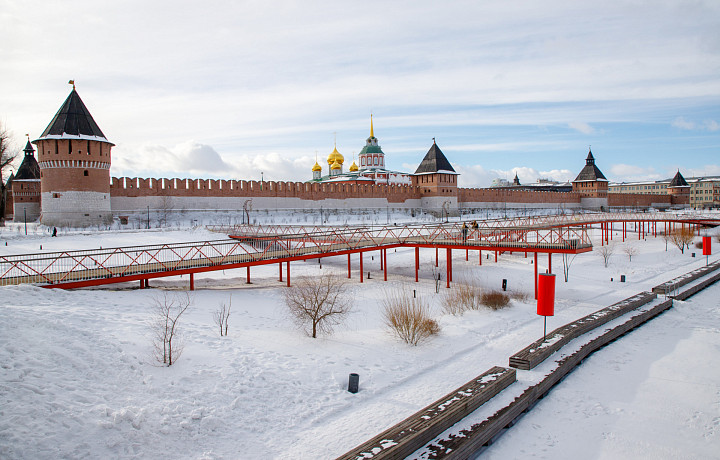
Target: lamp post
x,y
148,217
262,180
25,216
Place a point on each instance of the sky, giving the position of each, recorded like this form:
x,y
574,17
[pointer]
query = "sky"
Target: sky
x,y
247,89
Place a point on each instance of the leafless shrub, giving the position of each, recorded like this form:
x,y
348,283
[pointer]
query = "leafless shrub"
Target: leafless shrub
x,y
460,298
519,296
221,315
495,299
630,250
606,253
167,340
408,317
699,244
318,303
567,262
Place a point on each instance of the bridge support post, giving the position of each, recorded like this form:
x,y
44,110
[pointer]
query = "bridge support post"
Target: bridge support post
x,y
480,258
384,261
280,272
467,255
348,266
287,274
536,273
436,257
361,267
248,275
382,251
549,262
417,263
192,281
496,256
449,267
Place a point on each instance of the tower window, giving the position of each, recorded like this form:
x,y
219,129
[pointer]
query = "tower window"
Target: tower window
x,y
85,173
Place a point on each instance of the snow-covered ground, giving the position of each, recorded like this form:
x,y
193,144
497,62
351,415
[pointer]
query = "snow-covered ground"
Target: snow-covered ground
x,y
77,379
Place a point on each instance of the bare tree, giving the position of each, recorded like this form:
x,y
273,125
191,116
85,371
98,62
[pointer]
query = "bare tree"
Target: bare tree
x,y
319,303
7,155
221,315
167,341
567,261
666,238
606,252
682,238
630,250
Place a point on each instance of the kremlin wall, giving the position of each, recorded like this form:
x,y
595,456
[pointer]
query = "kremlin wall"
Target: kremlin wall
x,y
69,185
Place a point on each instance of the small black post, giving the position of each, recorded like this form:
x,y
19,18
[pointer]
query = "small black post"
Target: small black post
x,y
504,284
354,383
25,214
544,328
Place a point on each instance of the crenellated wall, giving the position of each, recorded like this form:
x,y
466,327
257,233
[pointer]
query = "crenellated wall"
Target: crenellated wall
x,y
481,197
627,200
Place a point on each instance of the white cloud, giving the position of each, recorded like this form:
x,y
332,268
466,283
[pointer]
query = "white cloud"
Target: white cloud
x,y
581,127
711,125
188,158
681,123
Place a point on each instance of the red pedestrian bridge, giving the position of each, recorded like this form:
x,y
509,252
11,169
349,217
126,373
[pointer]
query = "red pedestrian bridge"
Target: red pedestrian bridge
x,y
250,246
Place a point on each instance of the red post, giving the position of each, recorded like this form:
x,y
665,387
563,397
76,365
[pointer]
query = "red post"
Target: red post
x,y
449,267
467,255
192,281
480,252
384,262
348,266
549,262
536,274
248,274
381,258
436,257
287,273
496,256
546,295
417,263
280,271
707,246
361,267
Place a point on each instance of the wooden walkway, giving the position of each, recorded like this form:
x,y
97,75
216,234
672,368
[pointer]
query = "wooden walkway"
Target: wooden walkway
x,y
423,426
541,349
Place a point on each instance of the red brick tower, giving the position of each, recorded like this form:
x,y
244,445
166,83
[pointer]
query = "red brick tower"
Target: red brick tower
x,y
74,159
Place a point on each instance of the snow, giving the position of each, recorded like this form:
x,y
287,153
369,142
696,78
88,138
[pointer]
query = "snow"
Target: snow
x,y
77,378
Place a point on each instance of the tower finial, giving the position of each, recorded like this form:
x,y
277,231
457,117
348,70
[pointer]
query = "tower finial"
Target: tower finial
x,y
335,138
372,134
72,82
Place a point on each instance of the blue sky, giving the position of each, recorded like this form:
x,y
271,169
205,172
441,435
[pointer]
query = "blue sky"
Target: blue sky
x,y
230,89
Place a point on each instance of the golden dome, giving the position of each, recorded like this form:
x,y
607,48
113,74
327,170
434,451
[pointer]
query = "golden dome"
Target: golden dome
x,y
336,165
317,167
353,167
335,156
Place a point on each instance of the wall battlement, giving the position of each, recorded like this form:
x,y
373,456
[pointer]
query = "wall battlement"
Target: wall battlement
x,y
140,187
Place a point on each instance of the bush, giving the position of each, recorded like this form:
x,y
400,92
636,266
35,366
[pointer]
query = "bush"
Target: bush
x,y
520,296
318,304
409,318
460,298
699,245
495,299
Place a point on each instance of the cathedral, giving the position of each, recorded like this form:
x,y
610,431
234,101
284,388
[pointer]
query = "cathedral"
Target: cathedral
x,y
371,170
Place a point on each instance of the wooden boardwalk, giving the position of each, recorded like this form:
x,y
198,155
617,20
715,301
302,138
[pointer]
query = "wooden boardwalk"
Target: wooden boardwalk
x,y
541,349
415,431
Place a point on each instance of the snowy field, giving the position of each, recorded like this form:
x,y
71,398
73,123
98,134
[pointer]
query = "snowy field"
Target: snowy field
x,y
77,377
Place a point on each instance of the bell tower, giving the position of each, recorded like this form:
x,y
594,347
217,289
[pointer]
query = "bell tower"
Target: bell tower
x,y
74,159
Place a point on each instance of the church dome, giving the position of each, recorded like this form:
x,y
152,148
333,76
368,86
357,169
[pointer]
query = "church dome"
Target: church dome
x,y
335,156
317,167
353,167
337,164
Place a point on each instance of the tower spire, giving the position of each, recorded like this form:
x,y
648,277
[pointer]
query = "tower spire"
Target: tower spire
x,y
372,134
